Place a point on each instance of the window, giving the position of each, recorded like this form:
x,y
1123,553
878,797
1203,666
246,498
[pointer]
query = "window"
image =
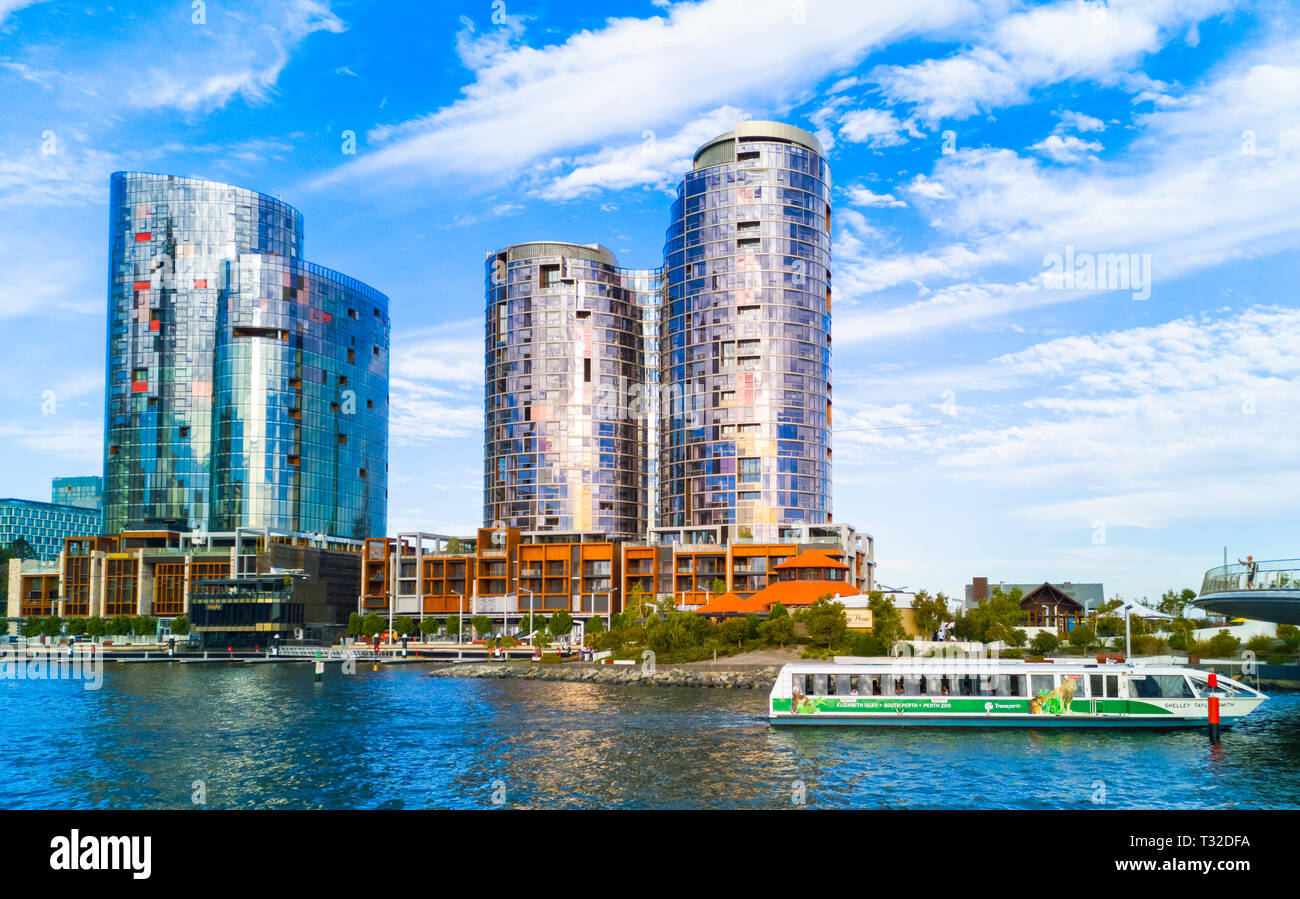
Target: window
x,y
1161,686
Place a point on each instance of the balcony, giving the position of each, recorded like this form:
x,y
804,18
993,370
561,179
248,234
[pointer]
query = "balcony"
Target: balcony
x,y
1272,595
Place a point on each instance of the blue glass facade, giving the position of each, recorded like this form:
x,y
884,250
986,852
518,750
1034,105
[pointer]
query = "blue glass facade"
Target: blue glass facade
x,y
245,386
87,492
45,525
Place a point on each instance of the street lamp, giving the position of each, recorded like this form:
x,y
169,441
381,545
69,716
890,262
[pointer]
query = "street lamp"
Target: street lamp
x,y
460,631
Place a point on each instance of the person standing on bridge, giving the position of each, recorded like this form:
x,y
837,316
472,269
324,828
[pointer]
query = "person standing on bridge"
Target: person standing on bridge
x,y
1252,569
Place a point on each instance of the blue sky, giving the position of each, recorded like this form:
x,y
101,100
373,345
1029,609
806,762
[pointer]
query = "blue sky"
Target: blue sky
x,y
992,417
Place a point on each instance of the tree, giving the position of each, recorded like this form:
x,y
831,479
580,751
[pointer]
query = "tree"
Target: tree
x,y
825,620
561,624
76,627
778,630
144,625
1289,634
1176,604
21,549
482,625
32,627
354,624
119,625
1017,637
595,625
428,626
735,630
180,626
52,626
1223,645
96,627
776,610
636,600
1083,636
372,624
1043,643
929,612
886,620
403,624
718,587
529,624
452,623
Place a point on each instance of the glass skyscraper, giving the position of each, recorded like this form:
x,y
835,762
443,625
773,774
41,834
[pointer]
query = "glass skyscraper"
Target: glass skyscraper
x,y
245,386
567,417
746,337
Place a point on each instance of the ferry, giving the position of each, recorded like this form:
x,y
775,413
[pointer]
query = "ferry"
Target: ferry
x,y
985,693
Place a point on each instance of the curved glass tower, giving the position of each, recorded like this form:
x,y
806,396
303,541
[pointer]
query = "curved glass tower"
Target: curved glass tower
x,y
565,414
746,330
245,387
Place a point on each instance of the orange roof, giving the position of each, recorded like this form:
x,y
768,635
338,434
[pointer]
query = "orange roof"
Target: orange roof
x,y
812,558
797,593
725,604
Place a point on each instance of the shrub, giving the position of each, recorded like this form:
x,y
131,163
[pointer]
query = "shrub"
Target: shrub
x,y
180,626
735,630
1289,634
1223,644
1043,643
779,631
1260,643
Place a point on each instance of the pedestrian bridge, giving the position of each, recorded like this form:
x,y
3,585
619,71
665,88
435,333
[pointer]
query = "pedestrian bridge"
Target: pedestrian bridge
x,y
327,653
1274,594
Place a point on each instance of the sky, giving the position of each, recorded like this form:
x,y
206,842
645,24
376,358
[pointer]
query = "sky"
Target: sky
x,y
1000,411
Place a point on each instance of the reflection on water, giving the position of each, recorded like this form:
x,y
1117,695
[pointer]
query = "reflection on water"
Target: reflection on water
x,y
269,737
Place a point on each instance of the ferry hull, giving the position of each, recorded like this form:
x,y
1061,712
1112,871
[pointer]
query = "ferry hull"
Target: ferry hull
x,y
1036,722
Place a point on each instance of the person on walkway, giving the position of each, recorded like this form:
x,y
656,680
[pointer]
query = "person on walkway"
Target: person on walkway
x,y
1252,569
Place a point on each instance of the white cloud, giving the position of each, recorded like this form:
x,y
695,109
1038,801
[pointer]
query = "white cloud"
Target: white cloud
x,y
237,54
863,196
1201,185
1067,149
1080,121
637,74
1145,427
650,161
1048,44
873,127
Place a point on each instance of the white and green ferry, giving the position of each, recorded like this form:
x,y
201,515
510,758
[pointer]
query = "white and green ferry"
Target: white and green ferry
x,y
983,693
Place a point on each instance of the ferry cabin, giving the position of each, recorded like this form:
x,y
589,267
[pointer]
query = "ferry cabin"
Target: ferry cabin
x,y
998,694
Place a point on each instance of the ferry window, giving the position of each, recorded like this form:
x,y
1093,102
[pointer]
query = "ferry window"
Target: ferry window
x,y
819,684
875,686
799,684
923,684
1016,687
1112,686
945,688
898,686
1001,685
934,687
831,685
1080,688
854,682
842,687
967,685
1041,683
911,685
1162,686
988,687
1095,683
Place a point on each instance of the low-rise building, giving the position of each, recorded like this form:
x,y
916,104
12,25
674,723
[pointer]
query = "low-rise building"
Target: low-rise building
x,y
505,572
1090,596
164,574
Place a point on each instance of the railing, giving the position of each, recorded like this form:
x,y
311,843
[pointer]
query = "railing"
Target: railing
x,y
1274,574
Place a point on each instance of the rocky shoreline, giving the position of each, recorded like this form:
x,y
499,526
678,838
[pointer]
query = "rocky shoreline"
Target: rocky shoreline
x,y
664,675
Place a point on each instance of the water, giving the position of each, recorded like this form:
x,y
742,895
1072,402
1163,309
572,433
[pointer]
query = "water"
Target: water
x,y
269,737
